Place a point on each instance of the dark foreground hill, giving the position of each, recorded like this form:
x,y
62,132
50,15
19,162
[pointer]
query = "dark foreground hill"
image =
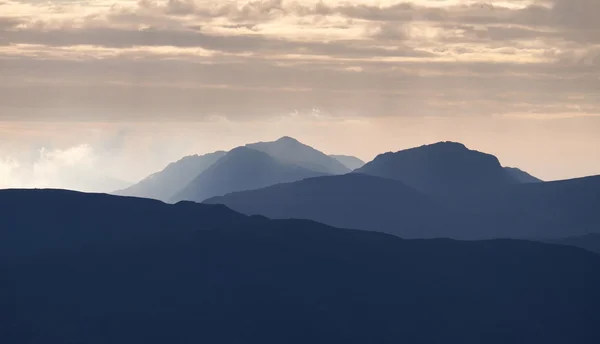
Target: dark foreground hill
x,y
164,184
241,169
97,269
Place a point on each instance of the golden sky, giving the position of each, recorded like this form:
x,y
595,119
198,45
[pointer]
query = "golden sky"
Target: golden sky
x,y
517,78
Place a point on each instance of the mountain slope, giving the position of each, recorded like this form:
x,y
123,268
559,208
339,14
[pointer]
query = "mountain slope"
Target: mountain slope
x,y
164,184
241,169
522,176
551,209
537,210
443,168
350,162
353,200
123,270
590,242
290,151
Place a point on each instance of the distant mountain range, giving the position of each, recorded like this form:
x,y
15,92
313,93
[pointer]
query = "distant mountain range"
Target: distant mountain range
x,y
432,191
468,194
283,160
91,268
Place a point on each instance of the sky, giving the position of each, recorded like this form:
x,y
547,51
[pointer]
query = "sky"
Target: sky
x,y
98,94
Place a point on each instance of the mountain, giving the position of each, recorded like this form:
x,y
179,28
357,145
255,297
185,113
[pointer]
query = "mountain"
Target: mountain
x,y
536,210
522,176
590,242
290,151
70,220
164,184
241,169
97,269
441,169
351,162
551,209
353,200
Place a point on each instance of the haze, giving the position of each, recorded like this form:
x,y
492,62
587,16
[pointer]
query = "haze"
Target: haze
x,y
98,94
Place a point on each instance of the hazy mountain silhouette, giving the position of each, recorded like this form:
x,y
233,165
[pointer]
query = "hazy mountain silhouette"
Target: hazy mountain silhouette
x,y
97,269
522,176
241,169
590,242
353,200
165,184
538,210
440,169
290,151
350,162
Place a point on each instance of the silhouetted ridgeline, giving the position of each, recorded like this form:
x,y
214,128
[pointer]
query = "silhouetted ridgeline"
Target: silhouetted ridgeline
x,y
91,269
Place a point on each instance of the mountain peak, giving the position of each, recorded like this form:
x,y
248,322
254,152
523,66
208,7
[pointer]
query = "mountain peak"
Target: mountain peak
x,y
449,144
289,150
443,167
287,139
241,150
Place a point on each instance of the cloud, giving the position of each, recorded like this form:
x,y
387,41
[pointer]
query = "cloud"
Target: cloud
x,y
9,172
184,60
122,89
78,167
9,22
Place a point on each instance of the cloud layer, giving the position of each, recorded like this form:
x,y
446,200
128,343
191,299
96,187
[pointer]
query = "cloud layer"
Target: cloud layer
x,y
182,58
